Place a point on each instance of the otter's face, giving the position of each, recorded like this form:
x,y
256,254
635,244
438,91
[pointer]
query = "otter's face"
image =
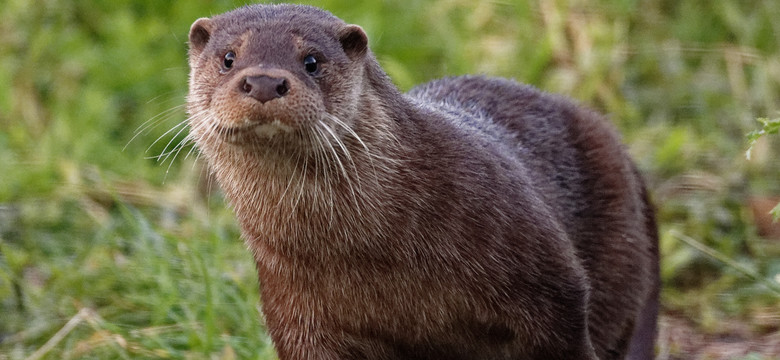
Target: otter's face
x,y
272,72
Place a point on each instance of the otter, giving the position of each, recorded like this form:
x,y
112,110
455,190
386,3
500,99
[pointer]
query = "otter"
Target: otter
x,y
470,218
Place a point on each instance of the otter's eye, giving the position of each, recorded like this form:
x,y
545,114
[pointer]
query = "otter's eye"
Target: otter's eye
x,y
230,57
311,64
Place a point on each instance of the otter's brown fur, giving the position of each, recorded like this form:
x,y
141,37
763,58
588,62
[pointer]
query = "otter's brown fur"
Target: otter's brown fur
x,y
473,218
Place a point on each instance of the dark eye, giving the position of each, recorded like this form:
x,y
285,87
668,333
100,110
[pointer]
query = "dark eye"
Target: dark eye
x,y
311,64
230,57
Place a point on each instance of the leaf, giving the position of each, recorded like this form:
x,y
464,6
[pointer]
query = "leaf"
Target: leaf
x,y
776,213
770,126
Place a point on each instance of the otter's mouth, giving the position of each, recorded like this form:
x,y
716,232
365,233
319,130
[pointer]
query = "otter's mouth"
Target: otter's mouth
x,y
240,135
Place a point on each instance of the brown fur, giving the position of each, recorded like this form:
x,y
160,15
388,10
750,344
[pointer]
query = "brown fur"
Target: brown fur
x,y
473,218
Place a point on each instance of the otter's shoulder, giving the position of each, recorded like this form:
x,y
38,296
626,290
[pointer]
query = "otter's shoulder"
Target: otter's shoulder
x,y
498,97
471,88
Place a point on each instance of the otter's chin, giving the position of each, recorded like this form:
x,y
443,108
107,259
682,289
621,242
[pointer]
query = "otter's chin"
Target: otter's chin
x,y
253,133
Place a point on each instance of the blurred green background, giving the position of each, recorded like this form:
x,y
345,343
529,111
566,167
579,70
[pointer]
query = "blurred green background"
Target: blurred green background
x,y
110,249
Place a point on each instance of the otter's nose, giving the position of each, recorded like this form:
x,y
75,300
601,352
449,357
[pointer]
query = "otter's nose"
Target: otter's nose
x,y
264,88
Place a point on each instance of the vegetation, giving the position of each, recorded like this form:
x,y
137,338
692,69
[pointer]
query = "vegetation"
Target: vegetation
x,y
109,248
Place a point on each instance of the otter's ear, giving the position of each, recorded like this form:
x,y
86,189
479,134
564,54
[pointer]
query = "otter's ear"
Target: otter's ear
x,y
354,41
200,33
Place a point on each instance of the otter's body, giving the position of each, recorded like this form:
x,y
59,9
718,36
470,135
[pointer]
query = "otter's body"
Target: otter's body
x,y
473,218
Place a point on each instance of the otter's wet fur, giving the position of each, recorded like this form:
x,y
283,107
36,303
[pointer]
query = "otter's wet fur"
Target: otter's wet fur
x,y
471,218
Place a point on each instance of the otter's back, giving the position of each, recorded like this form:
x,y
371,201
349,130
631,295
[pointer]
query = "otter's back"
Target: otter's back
x,y
580,167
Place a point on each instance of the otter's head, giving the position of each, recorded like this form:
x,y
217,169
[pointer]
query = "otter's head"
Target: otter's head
x,y
264,73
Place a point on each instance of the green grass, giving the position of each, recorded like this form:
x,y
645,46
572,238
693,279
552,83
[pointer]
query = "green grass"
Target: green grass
x,y
107,253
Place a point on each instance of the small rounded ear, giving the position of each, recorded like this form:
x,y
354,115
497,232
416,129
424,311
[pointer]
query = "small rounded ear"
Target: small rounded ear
x,y
200,33
354,41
